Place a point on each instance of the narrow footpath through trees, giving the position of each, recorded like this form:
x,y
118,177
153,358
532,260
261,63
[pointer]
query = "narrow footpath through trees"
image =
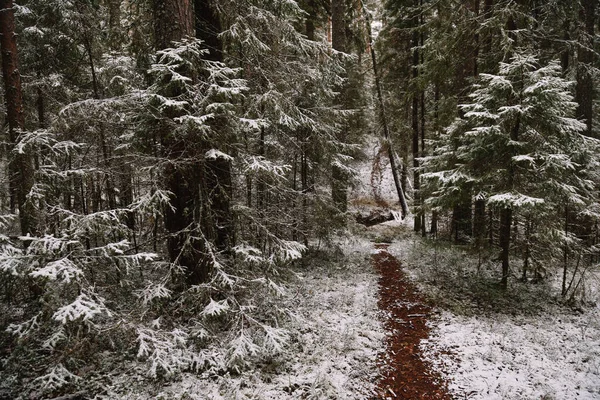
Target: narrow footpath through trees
x,y
405,374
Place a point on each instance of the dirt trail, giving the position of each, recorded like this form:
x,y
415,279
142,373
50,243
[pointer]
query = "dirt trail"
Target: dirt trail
x,y
405,375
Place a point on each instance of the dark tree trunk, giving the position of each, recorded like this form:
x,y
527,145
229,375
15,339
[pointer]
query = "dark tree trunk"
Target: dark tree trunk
x,y
565,254
20,167
462,216
506,213
461,220
220,191
436,128
217,170
311,11
208,28
505,225
486,41
434,222
483,49
585,54
527,250
479,223
173,21
415,125
339,42
422,126
114,24
565,56
476,43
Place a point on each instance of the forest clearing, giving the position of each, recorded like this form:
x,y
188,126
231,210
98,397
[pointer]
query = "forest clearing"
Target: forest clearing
x,y
299,199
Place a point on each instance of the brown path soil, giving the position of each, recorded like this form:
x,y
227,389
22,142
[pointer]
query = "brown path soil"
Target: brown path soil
x,y
405,374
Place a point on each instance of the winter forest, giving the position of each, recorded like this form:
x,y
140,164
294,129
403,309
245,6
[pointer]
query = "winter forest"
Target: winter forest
x,y
299,199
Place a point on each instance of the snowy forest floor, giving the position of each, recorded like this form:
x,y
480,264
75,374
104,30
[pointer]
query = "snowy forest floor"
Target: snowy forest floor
x,y
484,343
520,344
335,337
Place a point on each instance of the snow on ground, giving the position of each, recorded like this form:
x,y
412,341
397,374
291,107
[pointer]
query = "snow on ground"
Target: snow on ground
x,y
519,345
373,174
517,357
335,338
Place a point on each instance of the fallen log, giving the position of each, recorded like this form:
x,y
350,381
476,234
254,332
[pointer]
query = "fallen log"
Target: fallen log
x,y
376,217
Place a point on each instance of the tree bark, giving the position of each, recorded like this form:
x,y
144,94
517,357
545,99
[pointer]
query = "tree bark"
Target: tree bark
x,y
217,170
505,224
20,167
114,24
479,224
422,128
173,21
584,89
339,42
462,216
415,129
481,46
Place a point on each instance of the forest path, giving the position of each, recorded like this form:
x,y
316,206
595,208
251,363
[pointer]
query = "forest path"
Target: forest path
x,y
405,374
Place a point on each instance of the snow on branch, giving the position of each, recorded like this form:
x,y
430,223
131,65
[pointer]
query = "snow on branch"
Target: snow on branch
x,y
84,307
63,270
514,200
215,308
165,351
214,154
56,377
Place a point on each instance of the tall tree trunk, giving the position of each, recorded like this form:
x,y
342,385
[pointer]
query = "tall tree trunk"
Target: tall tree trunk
x,y
487,63
217,170
506,213
173,20
114,24
462,215
527,250
565,56
422,154
415,129
436,128
584,91
311,11
479,223
339,42
400,188
505,224
565,254
476,40
20,167
422,119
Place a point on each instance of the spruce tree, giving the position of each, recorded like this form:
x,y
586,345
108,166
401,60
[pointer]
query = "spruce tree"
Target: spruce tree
x,y
517,147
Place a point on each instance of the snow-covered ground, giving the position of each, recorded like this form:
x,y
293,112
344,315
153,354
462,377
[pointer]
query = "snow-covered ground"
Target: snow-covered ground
x,y
502,357
519,345
335,337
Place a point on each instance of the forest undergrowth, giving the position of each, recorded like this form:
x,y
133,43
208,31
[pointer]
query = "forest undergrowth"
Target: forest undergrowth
x,y
334,337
